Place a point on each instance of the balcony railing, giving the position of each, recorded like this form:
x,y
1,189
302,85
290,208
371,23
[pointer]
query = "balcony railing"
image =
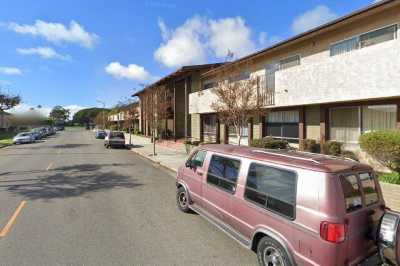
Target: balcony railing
x,y
266,90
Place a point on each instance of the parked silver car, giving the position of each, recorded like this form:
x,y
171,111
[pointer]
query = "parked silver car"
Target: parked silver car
x,y
114,139
24,137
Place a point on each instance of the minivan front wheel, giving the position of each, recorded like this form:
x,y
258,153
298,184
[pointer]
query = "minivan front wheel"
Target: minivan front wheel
x,y
182,200
271,253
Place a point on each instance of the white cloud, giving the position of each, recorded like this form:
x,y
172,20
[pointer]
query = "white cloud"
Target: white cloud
x,y
131,71
313,18
44,52
184,45
165,32
10,71
22,108
57,33
230,34
44,110
73,109
199,37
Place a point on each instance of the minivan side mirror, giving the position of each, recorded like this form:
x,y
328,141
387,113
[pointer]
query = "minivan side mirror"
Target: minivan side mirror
x,y
190,164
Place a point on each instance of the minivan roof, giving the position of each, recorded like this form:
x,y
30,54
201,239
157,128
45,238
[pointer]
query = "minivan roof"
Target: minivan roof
x,y
305,160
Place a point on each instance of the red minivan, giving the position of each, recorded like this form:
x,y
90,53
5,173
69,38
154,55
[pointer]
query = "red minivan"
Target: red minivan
x,y
290,207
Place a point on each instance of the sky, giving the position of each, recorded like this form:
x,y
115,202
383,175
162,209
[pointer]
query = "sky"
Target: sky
x,y
80,53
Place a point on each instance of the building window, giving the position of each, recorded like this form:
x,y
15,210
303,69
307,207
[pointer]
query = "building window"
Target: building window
x,y
344,46
271,188
378,36
284,124
364,40
378,117
347,124
223,173
210,128
289,62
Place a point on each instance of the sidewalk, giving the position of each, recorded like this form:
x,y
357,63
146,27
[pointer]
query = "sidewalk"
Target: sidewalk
x,y
166,157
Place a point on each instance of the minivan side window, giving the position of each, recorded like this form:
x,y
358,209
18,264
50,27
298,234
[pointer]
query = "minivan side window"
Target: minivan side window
x,y
368,186
272,188
198,158
351,191
223,173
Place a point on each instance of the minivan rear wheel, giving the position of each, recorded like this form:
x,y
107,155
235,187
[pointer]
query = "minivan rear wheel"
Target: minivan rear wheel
x,y
182,200
271,253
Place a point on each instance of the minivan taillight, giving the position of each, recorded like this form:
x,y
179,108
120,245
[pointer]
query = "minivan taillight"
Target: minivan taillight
x,y
333,232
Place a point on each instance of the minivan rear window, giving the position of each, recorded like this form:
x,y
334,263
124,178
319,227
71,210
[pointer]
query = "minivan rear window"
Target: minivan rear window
x,y
368,186
351,191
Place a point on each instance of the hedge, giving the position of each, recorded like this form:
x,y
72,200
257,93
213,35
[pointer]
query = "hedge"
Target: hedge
x,y
384,146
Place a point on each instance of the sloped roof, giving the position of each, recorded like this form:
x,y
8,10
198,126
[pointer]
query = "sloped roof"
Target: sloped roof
x,y
180,72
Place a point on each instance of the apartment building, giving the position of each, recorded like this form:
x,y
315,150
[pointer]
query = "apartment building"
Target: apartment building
x,y
333,82
175,122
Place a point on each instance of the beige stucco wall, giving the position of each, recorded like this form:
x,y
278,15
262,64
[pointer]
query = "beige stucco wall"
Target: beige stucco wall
x,y
368,73
313,122
195,124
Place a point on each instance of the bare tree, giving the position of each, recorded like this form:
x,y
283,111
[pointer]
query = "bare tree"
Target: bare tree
x,y
131,113
236,101
157,103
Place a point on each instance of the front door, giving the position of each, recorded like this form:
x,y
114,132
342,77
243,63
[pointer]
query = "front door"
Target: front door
x,y
194,174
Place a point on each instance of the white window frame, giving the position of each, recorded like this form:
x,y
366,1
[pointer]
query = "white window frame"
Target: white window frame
x,y
358,36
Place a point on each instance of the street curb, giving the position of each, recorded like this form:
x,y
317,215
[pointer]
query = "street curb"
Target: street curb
x,y
171,169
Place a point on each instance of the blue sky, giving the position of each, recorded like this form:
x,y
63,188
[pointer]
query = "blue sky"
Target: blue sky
x,y
71,52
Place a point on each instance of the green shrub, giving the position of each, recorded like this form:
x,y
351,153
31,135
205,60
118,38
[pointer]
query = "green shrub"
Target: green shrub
x,y
392,178
384,146
270,143
311,145
332,148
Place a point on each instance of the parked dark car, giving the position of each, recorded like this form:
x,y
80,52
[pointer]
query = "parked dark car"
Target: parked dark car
x,y
115,139
291,208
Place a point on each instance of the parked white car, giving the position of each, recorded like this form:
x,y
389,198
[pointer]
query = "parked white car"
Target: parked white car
x,y
24,137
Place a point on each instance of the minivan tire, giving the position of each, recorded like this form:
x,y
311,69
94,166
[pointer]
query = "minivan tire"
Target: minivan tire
x,y
182,200
270,252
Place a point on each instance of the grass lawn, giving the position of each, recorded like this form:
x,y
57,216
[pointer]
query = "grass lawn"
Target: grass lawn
x,y
6,138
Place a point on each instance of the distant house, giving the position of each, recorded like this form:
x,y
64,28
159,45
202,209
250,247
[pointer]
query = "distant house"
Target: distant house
x,y
4,121
178,85
124,116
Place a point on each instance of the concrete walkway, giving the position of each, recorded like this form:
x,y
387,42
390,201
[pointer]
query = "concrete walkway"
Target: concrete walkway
x,y
166,157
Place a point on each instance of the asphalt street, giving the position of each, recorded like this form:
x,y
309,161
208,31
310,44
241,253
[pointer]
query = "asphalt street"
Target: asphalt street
x,y
69,201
